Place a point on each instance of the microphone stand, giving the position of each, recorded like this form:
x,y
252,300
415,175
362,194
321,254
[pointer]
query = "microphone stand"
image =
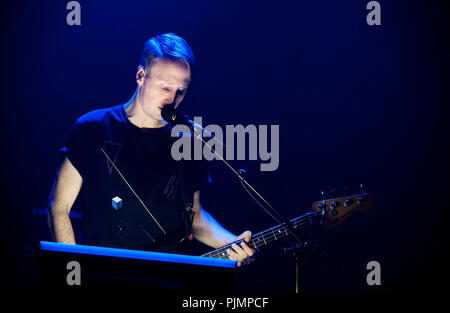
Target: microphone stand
x,y
301,241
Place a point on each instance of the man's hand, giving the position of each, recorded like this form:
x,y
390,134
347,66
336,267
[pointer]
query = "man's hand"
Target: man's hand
x,y
243,254
208,231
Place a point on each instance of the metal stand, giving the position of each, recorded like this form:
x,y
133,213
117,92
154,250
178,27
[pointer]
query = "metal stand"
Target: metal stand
x,y
241,174
297,252
176,118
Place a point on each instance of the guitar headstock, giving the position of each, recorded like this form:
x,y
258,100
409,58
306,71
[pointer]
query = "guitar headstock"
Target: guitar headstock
x,y
336,210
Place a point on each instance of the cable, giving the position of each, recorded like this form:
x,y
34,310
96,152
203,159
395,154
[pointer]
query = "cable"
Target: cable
x,y
143,204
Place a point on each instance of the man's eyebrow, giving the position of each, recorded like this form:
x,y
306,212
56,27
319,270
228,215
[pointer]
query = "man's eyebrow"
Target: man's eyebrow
x,y
163,83
184,86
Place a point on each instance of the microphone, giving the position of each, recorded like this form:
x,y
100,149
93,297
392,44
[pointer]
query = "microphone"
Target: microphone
x,y
170,115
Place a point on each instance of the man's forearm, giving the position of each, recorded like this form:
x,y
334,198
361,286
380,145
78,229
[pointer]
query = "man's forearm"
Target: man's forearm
x,y
61,227
208,231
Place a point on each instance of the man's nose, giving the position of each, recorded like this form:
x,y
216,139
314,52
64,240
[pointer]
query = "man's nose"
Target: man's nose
x,y
171,97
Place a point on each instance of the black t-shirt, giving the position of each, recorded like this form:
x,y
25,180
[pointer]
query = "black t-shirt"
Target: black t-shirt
x,y
115,158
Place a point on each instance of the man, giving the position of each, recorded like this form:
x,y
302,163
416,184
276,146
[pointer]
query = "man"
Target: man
x,y
133,194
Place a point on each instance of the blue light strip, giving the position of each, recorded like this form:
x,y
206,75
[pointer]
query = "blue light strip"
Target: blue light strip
x,y
137,254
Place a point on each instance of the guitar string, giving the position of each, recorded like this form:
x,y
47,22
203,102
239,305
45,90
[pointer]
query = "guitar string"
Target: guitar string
x,y
316,216
303,219
221,251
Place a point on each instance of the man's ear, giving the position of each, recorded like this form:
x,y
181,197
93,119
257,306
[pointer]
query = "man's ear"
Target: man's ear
x,y
140,75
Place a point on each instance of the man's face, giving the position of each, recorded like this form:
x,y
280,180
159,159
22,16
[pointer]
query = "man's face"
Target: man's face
x,y
166,82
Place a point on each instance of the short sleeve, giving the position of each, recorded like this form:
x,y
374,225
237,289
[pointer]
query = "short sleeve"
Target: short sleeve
x,y
194,174
76,147
199,174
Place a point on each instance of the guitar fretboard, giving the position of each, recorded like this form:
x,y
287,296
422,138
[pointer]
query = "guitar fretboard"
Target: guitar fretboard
x,y
269,235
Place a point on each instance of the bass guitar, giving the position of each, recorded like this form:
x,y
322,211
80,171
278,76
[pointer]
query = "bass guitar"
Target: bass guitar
x,y
329,213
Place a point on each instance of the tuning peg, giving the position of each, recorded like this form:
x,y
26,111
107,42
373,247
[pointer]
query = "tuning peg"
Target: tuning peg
x,y
334,205
361,200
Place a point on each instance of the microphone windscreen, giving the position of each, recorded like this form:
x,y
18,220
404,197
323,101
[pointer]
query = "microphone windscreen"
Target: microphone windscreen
x,y
168,113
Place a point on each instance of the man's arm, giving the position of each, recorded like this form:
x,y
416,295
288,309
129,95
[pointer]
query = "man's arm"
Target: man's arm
x,y
65,190
208,231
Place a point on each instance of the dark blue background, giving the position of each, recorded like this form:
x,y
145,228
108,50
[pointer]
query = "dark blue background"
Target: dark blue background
x,y
355,104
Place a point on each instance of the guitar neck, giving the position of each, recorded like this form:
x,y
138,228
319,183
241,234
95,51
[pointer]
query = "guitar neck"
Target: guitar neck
x,y
269,235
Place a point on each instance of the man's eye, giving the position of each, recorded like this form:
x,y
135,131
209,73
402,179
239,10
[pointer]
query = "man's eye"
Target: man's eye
x,y
167,89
